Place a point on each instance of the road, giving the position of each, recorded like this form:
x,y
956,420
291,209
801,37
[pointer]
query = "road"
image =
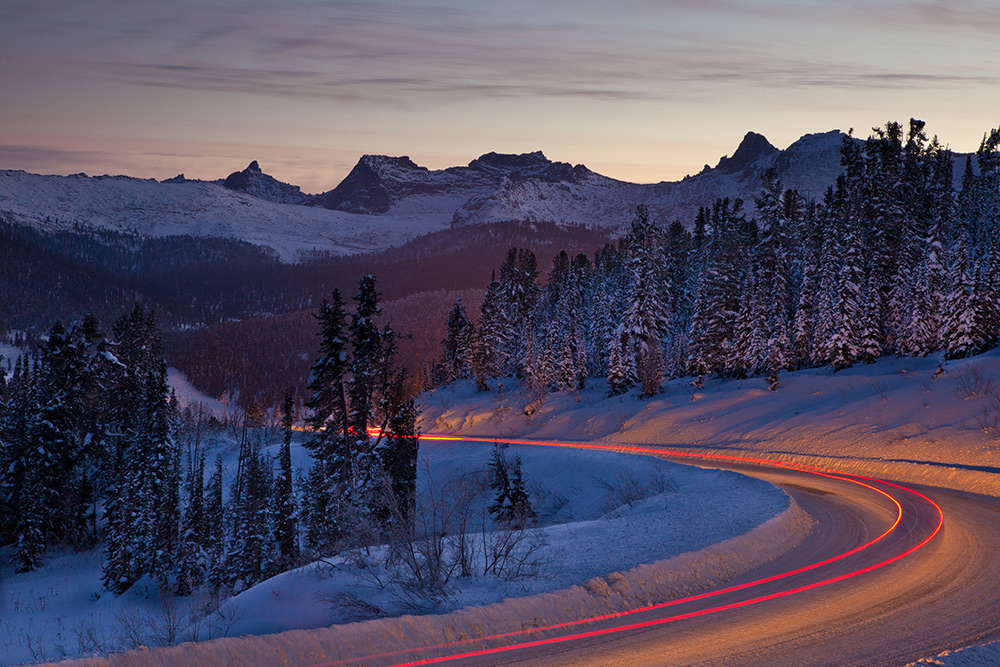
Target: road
x,y
889,574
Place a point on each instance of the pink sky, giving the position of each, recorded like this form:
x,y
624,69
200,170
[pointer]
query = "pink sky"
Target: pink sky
x,y
642,90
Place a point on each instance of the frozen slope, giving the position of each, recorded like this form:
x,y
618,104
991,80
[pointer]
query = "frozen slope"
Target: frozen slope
x,y
386,201
196,208
61,609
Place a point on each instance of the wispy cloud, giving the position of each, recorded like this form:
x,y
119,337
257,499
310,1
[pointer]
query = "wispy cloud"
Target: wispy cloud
x,y
393,50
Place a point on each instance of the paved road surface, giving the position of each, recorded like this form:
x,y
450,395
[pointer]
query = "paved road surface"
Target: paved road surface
x,y
945,594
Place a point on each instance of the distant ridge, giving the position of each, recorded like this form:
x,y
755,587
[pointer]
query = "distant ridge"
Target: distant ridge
x,y
385,201
255,182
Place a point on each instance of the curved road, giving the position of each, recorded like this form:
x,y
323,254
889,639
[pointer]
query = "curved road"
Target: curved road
x,y
889,574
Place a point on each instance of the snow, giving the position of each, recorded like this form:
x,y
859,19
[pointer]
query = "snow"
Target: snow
x,y
8,354
903,418
987,655
189,397
899,416
55,611
486,191
197,208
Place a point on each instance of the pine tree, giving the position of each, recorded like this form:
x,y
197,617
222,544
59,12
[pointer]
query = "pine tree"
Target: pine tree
x,y
368,364
161,509
490,345
511,504
499,481
328,400
772,293
514,303
191,563
960,334
643,326
250,558
285,521
521,512
844,343
215,527
398,457
717,298
456,350
602,301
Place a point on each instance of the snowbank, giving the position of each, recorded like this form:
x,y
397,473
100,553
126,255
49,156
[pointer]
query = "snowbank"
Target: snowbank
x,y
586,534
987,655
644,585
900,418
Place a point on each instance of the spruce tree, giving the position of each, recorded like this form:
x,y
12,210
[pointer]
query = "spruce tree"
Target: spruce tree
x,y
960,334
286,528
643,326
327,384
456,353
490,344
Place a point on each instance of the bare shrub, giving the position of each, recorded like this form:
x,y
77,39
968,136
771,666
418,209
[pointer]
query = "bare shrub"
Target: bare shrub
x,y
218,619
131,627
166,624
351,607
514,551
92,639
970,383
628,489
465,492
989,420
172,621
416,555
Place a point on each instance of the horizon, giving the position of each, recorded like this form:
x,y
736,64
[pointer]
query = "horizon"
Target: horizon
x,y
644,92
219,177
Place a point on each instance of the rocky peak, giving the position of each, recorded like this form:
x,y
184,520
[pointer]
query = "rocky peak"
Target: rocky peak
x,y
753,147
510,161
255,182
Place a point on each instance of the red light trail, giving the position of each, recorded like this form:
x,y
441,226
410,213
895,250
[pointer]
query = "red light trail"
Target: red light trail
x,y
645,450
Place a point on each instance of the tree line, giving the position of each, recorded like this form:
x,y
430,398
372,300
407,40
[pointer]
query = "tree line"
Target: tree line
x,y
95,451
892,260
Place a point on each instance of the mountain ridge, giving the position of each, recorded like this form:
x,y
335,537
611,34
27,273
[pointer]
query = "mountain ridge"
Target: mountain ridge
x,y
385,201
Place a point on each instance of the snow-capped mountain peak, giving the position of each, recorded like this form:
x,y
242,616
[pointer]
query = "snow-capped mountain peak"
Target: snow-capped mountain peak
x,y
753,147
386,201
255,182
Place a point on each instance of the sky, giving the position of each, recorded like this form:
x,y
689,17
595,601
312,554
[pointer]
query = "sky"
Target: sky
x,y
641,90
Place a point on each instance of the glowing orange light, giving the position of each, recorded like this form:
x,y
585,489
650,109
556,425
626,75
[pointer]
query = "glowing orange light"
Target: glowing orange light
x,y
630,449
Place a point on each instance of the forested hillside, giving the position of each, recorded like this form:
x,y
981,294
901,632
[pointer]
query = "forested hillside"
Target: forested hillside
x,y
892,260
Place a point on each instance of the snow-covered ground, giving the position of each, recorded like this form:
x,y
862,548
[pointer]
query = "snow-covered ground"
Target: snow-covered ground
x,y
188,396
61,610
196,208
8,353
987,655
926,419
904,417
587,541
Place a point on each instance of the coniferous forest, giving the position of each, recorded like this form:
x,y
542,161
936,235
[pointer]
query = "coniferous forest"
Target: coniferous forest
x,y
892,260
96,451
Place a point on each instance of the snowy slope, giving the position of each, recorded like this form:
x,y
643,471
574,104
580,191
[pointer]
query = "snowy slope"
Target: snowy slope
x,y
386,201
496,188
255,182
61,609
197,208
906,418
987,655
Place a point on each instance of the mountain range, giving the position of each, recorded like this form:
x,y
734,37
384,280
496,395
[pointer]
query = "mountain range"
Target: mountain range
x,y
386,201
